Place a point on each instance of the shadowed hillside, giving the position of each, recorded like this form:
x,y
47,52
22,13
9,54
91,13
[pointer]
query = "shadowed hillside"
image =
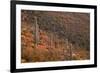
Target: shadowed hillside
x,y
54,36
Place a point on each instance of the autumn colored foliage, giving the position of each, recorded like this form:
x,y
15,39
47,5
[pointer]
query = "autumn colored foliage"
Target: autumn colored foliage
x,y
54,36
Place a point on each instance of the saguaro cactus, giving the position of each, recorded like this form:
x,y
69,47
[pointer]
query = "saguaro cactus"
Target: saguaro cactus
x,y
36,32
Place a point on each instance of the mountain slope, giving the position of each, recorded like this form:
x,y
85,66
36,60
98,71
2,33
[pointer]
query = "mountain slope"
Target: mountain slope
x,y
54,36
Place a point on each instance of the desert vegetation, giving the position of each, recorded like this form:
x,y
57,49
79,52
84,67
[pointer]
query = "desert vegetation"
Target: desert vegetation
x,y
54,36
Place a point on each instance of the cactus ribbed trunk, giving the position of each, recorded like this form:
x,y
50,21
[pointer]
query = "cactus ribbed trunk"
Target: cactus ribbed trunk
x,y
36,32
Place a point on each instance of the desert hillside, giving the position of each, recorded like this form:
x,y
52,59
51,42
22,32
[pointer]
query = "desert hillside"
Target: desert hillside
x,y
54,36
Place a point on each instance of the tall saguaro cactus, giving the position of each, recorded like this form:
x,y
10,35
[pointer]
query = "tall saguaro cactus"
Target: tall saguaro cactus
x,y
36,32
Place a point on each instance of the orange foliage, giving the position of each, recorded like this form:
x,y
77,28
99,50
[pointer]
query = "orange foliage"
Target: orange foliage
x,y
49,48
